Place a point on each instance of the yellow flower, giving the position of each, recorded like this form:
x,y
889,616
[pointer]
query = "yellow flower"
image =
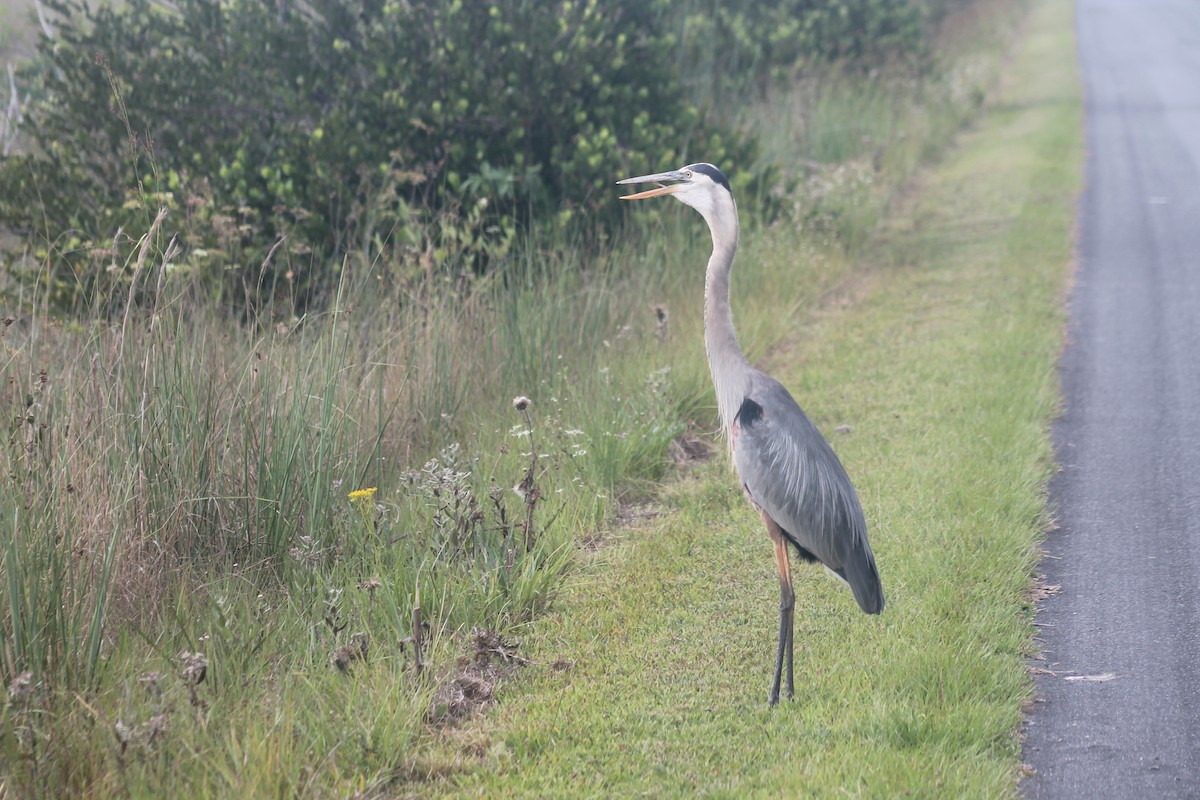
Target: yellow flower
x,y
363,495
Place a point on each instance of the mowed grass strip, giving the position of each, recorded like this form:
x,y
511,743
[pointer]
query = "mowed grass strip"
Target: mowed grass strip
x,y
939,356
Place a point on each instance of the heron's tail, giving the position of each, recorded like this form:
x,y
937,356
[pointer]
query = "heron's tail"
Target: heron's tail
x,y
860,574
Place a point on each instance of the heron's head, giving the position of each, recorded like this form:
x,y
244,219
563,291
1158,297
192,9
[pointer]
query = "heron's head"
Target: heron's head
x,y
701,186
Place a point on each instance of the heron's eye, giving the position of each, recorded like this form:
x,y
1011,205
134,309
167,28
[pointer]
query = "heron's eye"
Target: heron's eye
x,y
687,173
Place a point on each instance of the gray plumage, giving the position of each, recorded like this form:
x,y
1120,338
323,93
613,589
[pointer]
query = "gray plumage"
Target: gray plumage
x,y
786,467
790,471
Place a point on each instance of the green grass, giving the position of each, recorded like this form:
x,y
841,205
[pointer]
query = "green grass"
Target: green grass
x,y
178,483
939,353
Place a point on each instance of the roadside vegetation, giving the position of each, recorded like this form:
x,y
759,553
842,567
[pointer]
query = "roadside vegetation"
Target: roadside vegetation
x,y
284,481
933,370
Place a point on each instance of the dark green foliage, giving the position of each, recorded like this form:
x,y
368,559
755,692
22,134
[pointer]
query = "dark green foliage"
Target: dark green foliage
x,y
728,45
419,130
285,137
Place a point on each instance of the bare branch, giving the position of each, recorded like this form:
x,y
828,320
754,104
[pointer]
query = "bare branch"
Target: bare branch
x,y
12,115
46,29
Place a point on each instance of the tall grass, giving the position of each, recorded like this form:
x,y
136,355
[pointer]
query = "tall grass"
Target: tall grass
x,y
180,484
177,485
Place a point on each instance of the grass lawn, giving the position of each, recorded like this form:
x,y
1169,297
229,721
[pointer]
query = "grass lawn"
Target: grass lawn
x,y
936,360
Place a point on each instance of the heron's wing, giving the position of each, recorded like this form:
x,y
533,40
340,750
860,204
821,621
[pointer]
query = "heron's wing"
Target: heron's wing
x,y
789,469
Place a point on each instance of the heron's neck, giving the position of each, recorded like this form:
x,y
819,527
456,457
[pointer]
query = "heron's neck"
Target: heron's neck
x,y
731,372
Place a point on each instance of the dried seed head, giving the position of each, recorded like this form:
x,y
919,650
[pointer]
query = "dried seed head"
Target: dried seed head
x,y
344,657
155,727
195,667
122,732
370,585
663,319
521,402
152,679
21,688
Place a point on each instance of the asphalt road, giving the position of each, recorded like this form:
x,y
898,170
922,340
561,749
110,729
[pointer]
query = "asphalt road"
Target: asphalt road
x,y
1120,714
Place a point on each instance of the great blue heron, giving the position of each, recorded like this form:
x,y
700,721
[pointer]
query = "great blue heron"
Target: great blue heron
x,y
788,471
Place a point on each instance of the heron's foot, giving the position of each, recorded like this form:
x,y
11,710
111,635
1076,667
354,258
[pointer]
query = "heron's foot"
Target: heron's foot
x,y
783,655
773,698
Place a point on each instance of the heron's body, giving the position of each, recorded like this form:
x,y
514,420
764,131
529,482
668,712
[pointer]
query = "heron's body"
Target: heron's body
x,y
786,467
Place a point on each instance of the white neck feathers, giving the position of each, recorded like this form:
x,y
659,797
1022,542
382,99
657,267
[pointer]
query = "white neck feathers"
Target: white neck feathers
x,y
731,372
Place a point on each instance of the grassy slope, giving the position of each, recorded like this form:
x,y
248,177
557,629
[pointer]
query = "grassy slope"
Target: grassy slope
x,y
940,356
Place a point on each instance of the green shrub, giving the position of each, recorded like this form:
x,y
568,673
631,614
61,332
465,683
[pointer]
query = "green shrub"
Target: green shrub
x,y
287,139
415,131
728,45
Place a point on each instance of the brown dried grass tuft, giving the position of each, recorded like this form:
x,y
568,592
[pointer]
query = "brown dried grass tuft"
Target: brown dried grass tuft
x,y
471,687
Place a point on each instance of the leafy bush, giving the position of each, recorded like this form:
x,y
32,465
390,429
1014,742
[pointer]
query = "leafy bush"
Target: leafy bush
x,y
286,137
419,131
729,44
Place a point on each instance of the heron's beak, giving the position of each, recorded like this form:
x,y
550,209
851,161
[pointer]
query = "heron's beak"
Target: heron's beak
x,y
674,175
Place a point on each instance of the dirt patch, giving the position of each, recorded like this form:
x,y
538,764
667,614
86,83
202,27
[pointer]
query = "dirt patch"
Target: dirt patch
x,y
637,516
629,516
689,449
471,687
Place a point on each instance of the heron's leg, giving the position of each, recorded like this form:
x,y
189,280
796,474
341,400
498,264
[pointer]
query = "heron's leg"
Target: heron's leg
x,y
787,603
791,612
